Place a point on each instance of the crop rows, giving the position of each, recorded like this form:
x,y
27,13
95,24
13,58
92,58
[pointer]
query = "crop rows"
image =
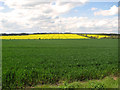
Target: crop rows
x,y
31,62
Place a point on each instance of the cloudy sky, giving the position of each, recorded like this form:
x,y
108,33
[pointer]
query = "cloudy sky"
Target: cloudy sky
x,y
36,16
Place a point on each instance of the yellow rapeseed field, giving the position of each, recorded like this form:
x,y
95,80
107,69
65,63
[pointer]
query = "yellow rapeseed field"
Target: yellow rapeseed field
x,y
96,36
46,36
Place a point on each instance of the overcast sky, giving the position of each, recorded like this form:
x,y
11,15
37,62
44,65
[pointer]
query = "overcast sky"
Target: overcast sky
x,y
80,16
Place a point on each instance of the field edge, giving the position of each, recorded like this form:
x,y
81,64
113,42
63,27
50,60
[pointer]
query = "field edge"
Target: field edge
x,y
107,82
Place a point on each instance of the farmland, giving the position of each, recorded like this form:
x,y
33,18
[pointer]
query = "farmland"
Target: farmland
x,y
45,36
27,63
55,36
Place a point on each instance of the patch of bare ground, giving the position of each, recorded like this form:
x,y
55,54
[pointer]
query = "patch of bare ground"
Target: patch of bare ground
x,y
115,78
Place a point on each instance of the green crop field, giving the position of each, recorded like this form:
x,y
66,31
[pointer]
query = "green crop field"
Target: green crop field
x,y
28,63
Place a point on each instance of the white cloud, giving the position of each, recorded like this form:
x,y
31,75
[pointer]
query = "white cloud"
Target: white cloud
x,y
84,24
93,9
112,11
38,16
31,14
1,8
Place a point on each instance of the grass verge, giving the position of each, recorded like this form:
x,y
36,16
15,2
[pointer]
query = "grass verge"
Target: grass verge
x,y
107,82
